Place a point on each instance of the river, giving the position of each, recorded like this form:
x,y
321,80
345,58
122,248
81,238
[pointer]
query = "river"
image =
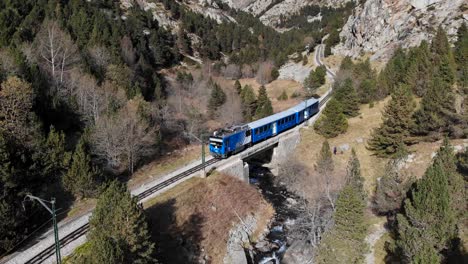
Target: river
x,y
287,206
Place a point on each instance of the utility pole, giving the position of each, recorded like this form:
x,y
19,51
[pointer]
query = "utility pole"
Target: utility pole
x,y
52,211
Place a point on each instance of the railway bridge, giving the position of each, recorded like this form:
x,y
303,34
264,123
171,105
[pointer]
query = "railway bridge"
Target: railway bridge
x,y
73,232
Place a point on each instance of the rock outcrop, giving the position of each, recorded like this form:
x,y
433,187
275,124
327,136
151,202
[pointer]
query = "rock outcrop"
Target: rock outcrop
x,y
379,26
269,11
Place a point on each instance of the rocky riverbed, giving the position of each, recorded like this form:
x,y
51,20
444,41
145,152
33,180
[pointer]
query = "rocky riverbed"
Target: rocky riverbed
x,y
278,245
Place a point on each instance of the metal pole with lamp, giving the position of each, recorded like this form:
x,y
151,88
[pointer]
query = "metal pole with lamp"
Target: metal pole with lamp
x,y
52,211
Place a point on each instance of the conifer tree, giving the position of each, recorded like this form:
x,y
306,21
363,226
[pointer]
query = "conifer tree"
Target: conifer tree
x,y
345,241
238,87
56,159
346,64
264,107
217,99
333,122
324,164
419,69
284,96
429,222
389,139
348,98
81,178
443,58
119,230
446,158
393,73
249,102
353,174
461,55
316,78
436,113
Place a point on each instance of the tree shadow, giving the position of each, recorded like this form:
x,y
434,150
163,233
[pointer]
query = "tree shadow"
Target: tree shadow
x,y
175,243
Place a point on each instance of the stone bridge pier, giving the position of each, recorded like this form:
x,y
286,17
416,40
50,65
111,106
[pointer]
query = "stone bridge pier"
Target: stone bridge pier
x,y
269,154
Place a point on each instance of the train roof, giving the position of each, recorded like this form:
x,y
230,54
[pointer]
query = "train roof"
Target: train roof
x,y
270,119
223,132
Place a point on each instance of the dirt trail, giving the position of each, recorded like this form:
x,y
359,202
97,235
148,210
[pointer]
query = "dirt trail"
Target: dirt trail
x,y
372,239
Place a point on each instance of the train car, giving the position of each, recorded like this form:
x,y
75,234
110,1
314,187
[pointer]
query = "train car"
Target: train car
x,y
227,141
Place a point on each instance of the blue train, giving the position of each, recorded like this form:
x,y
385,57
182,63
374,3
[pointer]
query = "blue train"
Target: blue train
x,y
227,141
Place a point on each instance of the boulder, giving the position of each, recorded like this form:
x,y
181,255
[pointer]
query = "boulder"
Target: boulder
x,y
299,252
344,147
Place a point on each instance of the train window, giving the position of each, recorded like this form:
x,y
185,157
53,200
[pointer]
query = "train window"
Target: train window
x,y
247,133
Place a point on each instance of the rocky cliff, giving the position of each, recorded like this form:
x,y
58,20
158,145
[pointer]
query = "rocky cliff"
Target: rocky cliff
x,y
269,11
379,26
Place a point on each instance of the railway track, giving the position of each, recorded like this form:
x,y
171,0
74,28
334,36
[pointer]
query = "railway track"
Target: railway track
x,y
50,251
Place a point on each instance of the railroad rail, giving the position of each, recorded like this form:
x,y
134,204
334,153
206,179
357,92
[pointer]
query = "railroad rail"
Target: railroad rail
x,y
82,230
50,251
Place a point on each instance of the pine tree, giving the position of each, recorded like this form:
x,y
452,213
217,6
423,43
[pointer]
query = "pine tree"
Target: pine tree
x,y
333,122
217,99
119,232
284,96
324,164
316,78
461,55
238,87
81,178
249,102
446,158
264,107
353,174
55,158
346,64
428,223
436,114
419,69
348,98
389,139
345,241
443,58
393,73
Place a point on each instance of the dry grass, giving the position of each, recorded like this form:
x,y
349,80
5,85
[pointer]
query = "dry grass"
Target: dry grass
x,y
379,248
171,162
204,210
333,61
359,128
423,153
81,207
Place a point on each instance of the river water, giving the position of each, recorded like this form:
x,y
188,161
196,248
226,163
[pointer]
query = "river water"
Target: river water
x,y
287,207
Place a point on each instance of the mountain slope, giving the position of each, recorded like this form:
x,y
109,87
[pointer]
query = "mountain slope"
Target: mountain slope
x,y
379,26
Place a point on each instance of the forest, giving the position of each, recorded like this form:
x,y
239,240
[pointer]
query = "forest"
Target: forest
x,y
84,102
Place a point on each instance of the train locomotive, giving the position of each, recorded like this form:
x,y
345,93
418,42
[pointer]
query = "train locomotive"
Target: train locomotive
x,y
231,140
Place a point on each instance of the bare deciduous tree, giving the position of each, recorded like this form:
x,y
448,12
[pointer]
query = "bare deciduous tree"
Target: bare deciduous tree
x,y
100,57
264,72
123,138
56,51
232,71
128,51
